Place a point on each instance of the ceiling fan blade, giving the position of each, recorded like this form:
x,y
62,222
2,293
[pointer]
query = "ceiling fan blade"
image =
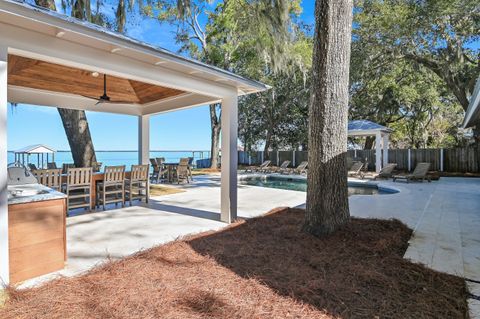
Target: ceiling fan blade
x,y
90,98
105,99
114,102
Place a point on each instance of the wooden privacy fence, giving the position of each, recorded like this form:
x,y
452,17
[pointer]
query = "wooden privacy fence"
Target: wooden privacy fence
x,y
462,160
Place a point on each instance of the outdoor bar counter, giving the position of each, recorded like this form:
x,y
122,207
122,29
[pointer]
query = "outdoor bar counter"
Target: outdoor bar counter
x,y
37,232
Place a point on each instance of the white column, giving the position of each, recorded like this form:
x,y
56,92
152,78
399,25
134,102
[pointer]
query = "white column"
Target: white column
x,y
144,139
441,160
4,254
409,160
385,149
378,152
229,159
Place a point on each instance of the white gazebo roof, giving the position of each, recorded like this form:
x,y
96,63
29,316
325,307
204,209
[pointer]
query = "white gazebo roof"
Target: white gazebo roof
x,y
366,128
36,149
472,115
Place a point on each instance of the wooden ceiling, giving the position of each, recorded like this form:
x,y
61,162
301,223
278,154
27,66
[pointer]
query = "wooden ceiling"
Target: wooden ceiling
x,y
42,75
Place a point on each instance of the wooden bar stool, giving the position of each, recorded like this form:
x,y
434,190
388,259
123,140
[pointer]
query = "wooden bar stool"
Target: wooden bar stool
x,y
182,172
49,177
112,188
79,188
137,186
66,166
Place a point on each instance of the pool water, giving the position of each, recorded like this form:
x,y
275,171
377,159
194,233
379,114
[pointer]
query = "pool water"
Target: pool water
x,y
301,185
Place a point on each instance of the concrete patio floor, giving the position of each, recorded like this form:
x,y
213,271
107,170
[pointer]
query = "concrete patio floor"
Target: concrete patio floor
x,y
445,216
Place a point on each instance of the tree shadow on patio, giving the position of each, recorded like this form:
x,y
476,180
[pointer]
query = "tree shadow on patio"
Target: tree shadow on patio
x,y
357,272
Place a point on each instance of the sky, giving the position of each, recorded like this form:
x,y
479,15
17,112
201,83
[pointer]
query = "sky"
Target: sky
x,y
181,130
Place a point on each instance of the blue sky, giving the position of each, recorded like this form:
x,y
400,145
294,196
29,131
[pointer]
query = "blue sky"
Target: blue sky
x,y
182,130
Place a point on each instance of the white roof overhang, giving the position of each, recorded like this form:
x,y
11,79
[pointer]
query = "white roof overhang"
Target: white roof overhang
x,y
367,132
32,32
472,115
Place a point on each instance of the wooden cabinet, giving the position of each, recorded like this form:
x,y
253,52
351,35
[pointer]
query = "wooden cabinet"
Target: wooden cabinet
x,y
37,238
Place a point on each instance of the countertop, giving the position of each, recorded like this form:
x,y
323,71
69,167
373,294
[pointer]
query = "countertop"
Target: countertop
x,y
29,193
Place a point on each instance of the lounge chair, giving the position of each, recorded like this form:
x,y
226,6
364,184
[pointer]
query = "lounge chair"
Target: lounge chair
x,y
300,169
356,170
418,174
260,168
280,169
385,172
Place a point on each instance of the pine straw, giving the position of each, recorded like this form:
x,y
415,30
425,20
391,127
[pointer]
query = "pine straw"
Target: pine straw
x,y
262,268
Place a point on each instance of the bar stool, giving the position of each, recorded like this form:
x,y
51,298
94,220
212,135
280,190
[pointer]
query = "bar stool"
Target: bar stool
x,y
49,177
79,188
137,186
112,188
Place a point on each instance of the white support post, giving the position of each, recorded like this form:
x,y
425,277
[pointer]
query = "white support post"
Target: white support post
x,y
4,248
229,159
441,160
378,152
409,160
143,139
385,149
293,158
278,158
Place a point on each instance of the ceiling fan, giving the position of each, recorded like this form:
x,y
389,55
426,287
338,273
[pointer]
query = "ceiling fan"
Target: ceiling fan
x,y
105,98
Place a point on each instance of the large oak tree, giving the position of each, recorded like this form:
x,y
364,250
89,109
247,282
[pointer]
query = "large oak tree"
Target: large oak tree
x,y
327,191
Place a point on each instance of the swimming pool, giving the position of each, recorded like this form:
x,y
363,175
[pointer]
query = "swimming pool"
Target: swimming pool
x,y
296,184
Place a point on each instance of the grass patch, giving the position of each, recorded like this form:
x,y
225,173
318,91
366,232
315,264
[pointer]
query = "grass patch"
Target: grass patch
x,y
260,268
159,190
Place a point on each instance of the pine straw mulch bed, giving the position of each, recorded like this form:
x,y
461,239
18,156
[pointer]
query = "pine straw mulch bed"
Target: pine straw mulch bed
x,y
262,268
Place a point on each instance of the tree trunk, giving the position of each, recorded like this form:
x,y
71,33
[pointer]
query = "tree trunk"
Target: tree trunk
x,y
369,140
266,148
75,121
215,142
76,127
327,192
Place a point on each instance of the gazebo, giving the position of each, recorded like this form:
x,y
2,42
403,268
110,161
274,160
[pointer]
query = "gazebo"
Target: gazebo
x,y
50,59
41,150
364,128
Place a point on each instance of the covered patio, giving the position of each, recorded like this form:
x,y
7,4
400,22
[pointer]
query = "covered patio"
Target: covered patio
x,y
51,60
